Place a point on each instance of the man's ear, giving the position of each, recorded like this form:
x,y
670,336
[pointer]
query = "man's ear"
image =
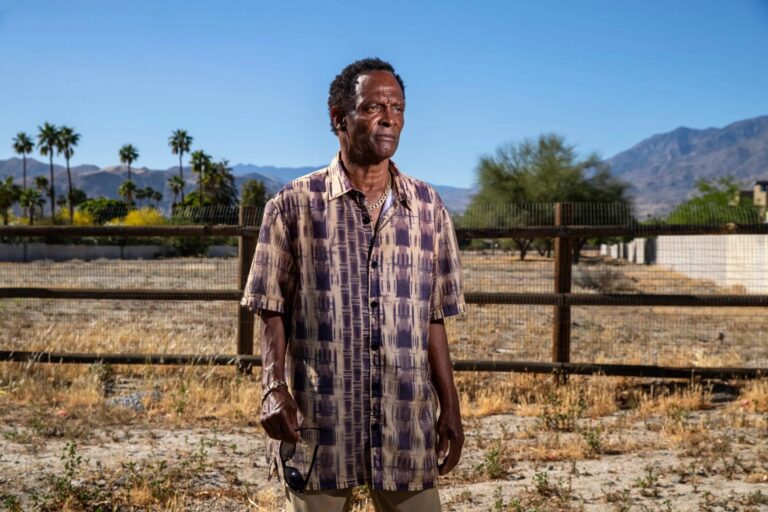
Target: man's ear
x,y
338,116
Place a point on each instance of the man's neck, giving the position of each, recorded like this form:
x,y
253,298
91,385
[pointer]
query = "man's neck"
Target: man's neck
x,y
366,177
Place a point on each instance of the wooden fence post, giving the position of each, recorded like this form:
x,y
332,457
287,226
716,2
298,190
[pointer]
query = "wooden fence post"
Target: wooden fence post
x,y
246,247
561,327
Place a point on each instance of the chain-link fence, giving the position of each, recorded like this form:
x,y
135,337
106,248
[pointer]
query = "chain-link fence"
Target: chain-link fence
x,y
669,291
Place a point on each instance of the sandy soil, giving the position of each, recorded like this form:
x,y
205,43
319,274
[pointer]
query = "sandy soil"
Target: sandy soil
x,y
220,467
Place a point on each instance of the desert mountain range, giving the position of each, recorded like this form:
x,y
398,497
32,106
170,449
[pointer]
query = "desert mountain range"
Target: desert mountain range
x,y
662,169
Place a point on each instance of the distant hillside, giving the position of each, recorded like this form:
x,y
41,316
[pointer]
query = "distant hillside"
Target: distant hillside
x,y
663,169
97,181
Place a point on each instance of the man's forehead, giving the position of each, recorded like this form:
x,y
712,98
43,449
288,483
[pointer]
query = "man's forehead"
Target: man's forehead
x,y
375,82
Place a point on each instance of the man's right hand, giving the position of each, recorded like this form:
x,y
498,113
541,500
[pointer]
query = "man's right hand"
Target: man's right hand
x,y
279,416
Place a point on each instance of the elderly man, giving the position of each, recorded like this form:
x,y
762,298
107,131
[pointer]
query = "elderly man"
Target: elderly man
x,y
356,267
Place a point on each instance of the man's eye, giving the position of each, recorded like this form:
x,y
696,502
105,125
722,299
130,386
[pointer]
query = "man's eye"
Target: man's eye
x,y
372,108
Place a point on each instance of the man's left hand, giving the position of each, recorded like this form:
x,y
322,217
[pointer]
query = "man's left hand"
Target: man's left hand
x,y
450,439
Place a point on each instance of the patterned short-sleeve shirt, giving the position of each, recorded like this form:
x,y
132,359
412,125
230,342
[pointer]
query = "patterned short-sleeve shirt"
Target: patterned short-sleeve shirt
x,y
358,298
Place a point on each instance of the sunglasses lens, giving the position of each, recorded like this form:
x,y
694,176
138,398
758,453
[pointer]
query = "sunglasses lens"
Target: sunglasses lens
x,y
294,479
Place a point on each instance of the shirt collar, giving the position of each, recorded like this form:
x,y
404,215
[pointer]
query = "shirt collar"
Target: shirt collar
x,y
339,183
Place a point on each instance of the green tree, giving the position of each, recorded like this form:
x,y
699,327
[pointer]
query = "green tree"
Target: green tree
x,y
77,197
180,142
128,155
66,143
201,164
127,190
176,184
216,183
220,185
716,201
31,199
23,145
9,194
254,194
47,142
102,209
149,194
518,181
41,184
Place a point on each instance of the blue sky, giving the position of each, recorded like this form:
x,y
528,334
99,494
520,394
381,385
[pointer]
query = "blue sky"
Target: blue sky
x,y
249,80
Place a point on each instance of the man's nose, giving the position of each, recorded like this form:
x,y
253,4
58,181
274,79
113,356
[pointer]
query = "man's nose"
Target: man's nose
x,y
388,118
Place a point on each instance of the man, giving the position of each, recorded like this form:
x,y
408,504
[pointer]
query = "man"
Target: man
x,y
356,267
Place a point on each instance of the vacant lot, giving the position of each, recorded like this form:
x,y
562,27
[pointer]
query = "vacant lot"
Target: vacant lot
x,y
149,438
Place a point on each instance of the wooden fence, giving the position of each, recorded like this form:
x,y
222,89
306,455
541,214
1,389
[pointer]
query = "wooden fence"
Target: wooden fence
x,y
561,299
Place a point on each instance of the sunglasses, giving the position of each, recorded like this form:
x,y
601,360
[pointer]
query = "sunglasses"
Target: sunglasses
x,y
292,477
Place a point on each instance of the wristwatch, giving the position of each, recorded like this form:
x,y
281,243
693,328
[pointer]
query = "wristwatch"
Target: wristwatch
x,y
271,387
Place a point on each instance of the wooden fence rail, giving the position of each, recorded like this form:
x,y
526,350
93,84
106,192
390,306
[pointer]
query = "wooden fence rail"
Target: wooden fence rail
x,y
561,299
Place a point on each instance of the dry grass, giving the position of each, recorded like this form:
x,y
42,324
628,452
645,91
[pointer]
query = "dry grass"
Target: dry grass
x,y
533,421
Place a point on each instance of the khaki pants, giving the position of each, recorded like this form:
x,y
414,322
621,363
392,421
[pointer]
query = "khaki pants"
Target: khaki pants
x,y
383,501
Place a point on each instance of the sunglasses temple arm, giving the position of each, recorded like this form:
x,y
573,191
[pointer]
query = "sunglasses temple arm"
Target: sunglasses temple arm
x,y
311,466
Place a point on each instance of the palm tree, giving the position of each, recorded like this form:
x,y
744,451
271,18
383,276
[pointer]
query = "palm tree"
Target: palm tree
x,y
23,145
41,184
220,184
68,139
127,190
9,194
128,155
180,141
202,165
47,142
176,184
30,199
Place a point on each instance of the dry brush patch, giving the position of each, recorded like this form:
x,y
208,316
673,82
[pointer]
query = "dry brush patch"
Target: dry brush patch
x,y
531,444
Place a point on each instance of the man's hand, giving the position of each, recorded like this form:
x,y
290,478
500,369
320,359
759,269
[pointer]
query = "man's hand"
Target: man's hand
x,y
278,409
450,433
450,439
279,416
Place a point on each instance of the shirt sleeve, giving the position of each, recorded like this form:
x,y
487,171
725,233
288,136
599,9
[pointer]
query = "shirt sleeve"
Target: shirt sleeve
x,y
447,287
271,280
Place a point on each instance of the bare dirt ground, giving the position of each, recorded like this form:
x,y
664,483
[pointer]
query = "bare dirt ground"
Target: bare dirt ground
x,y
689,454
143,438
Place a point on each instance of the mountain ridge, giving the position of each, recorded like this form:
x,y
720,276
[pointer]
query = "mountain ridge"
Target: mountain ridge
x,y
662,169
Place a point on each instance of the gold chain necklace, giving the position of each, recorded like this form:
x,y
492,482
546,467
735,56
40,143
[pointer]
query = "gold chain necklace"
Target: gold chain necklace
x,y
372,207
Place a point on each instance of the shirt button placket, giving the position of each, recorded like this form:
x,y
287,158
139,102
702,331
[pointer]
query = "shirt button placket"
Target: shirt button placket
x,y
376,386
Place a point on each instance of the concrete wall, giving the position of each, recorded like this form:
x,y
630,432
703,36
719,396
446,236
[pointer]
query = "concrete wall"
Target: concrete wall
x,y
39,251
728,260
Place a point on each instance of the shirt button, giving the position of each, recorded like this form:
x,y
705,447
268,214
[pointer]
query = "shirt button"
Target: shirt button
x,y
374,304
366,220
374,264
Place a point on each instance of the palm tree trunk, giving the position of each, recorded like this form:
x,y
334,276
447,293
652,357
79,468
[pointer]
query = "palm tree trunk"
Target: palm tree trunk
x,y
69,195
24,176
181,175
51,191
129,171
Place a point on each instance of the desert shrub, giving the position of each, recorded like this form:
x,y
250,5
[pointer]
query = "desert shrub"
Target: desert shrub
x,y
603,279
146,216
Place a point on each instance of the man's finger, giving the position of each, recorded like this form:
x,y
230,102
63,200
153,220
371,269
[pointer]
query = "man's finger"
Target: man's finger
x,y
454,454
442,444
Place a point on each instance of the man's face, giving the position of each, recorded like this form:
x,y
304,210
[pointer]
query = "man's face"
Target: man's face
x,y
373,127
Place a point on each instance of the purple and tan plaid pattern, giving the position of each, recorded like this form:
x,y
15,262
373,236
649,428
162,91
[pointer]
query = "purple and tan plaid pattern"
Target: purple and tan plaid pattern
x,y
359,299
